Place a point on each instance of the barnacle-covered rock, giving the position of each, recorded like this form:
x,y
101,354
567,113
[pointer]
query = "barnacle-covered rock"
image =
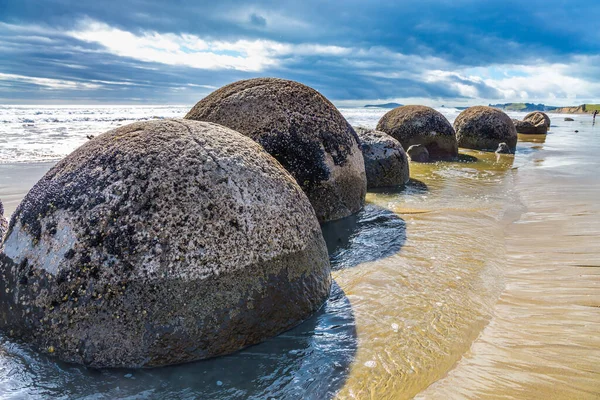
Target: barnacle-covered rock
x,y
386,163
303,131
161,242
423,125
484,128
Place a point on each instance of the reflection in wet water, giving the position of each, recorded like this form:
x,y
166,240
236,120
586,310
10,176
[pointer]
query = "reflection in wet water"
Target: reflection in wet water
x,y
371,234
310,361
532,138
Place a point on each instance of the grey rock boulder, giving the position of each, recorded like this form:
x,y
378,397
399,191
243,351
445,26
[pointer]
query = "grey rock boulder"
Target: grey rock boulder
x,y
529,127
418,153
484,128
303,131
538,117
421,125
386,163
158,243
569,119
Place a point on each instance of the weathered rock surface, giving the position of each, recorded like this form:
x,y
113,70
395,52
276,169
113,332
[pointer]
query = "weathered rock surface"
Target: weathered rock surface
x,y
528,127
421,125
3,223
303,131
503,149
386,163
538,117
161,242
569,119
484,128
418,153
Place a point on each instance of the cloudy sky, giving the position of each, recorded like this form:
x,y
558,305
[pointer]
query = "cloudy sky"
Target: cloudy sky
x,y
452,52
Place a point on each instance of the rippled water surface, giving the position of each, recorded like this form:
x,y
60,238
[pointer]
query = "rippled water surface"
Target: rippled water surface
x,y
479,279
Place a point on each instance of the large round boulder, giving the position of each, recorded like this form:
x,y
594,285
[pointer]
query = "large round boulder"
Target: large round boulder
x,y
303,131
421,125
529,127
161,242
484,128
386,163
537,118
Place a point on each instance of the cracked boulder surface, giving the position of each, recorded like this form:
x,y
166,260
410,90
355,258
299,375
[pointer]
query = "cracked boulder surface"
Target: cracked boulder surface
x,y
158,243
3,223
303,131
484,128
529,127
386,163
412,125
537,118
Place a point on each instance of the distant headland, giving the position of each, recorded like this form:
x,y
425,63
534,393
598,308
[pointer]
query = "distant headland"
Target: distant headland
x,y
385,105
529,107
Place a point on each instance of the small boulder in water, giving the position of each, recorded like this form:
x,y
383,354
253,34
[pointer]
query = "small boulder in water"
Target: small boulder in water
x,y
418,153
538,117
484,128
569,119
503,149
158,243
386,163
529,127
421,125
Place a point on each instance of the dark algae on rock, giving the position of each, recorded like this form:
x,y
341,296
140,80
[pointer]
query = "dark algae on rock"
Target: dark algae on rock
x,y
421,125
484,128
161,242
303,131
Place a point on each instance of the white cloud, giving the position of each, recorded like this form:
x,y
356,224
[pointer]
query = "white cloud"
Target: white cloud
x,y
196,52
50,83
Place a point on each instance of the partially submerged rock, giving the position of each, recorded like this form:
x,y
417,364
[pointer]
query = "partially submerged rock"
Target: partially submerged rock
x,y
386,163
529,127
303,131
161,242
418,153
503,149
421,125
569,119
538,117
484,128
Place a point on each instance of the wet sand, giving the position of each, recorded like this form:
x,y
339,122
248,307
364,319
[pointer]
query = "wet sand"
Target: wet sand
x,y
16,180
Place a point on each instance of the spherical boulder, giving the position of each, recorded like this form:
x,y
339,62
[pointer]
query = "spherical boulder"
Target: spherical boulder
x,y
303,131
484,128
386,163
161,242
538,117
421,125
418,153
528,127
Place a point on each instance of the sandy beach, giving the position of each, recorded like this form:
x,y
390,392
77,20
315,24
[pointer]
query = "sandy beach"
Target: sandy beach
x,y
16,179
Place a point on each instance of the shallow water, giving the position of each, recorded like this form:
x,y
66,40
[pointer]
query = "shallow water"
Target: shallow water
x,y
477,280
